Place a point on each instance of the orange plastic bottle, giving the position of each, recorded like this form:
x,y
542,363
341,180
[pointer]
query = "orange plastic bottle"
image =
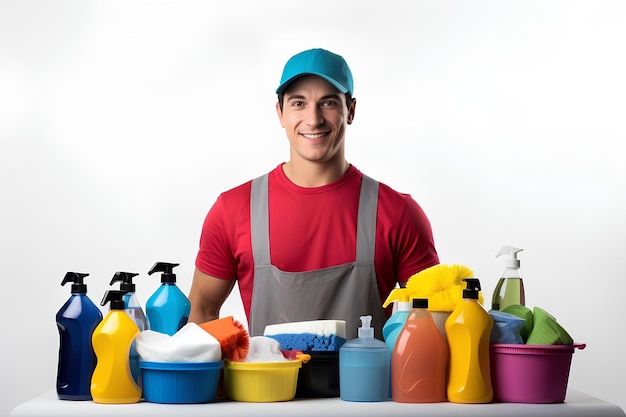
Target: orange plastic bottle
x,y
112,381
469,331
419,359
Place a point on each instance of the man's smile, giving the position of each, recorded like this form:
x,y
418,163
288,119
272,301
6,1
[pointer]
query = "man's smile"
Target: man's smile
x,y
314,135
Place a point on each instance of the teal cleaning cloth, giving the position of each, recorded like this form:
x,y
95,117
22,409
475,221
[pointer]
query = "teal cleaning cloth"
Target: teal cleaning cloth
x,y
506,328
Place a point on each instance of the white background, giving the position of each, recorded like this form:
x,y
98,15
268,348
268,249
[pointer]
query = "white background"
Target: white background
x,y
120,123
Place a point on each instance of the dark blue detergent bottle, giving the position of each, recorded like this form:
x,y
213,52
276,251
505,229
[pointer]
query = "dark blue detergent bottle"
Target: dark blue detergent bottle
x,y
134,310
167,308
76,321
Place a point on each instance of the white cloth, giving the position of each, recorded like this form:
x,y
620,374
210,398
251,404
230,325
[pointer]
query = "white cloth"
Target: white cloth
x,y
190,344
264,349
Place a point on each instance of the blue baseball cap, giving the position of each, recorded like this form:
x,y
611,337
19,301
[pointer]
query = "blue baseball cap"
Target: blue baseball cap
x,y
325,64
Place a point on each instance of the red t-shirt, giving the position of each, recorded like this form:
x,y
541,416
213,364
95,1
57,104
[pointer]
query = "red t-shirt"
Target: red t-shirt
x,y
314,228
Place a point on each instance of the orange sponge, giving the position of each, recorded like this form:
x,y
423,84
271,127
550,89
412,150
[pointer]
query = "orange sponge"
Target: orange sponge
x,y
232,335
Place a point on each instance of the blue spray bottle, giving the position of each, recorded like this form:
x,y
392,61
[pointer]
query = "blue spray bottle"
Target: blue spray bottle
x,y
394,324
134,310
168,308
76,322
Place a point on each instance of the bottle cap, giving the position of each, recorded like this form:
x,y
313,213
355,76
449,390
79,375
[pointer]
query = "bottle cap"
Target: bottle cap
x,y
168,275
77,278
116,299
473,286
126,279
420,303
365,330
511,261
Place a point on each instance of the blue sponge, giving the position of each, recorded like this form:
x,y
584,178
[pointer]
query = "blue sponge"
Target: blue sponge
x,y
309,341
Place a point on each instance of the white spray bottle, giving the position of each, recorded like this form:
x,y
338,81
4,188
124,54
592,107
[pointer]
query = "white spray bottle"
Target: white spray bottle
x,y
510,288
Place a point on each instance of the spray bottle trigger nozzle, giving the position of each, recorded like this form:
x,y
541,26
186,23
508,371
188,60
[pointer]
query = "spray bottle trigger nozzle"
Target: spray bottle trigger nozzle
x,y
511,261
397,294
126,279
76,278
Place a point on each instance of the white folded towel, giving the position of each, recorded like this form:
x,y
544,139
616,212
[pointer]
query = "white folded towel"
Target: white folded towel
x,y
190,344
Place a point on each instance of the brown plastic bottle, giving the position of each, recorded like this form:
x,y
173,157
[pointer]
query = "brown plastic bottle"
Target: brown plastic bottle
x,y
419,360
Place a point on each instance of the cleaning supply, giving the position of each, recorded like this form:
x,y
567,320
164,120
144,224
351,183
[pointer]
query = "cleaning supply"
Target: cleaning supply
x,y
469,330
524,313
419,360
506,328
311,335
442,284
131,303
364,366
134,310
76,321
394,324
168,308
546,330
112,381
231,334
510,287
189,344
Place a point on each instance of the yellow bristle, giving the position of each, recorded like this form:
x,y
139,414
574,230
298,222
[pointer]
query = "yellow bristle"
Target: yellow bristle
x,y
442,284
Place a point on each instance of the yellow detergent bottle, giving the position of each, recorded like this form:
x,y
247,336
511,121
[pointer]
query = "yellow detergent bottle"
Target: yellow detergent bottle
x,y
112,381
468,330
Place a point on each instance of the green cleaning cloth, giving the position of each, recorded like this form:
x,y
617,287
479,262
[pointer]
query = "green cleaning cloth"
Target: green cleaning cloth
x,y
546,330
524,313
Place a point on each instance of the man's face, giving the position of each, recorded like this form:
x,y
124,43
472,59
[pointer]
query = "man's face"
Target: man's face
x,y
315,116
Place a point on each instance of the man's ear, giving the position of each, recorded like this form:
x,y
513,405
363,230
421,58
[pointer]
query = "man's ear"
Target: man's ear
x,y
351,111
279,112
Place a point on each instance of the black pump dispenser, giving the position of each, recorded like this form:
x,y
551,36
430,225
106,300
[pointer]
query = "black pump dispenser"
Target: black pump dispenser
x,y
77,279
116,297
126,279
168,275
473,286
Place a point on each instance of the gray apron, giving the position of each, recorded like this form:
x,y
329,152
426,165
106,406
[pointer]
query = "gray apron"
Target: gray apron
x,y
342,292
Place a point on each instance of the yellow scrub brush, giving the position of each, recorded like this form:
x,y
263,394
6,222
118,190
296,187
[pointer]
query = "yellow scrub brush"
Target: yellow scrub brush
x,y
442,284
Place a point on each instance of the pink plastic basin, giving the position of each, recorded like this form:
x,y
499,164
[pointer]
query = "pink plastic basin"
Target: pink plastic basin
x,y
530,373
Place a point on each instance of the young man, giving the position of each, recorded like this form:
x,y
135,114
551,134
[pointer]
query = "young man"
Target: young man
x,y
314,238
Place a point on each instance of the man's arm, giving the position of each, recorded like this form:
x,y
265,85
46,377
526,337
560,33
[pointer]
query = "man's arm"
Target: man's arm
x,y
207,295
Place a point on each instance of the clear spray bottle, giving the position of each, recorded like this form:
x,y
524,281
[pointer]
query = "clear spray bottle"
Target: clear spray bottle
x,y
134,310
510,287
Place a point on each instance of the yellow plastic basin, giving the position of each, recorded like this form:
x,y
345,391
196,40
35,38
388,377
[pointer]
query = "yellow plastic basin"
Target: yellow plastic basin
x,y
261,381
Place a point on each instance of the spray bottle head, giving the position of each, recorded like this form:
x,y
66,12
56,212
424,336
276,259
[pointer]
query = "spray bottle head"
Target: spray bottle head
x,y
126,279
511,261
116,297
77,278
365,330
472,289
402,298
168,275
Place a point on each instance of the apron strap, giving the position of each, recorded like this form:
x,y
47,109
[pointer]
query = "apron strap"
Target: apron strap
x,y
366,226
259,221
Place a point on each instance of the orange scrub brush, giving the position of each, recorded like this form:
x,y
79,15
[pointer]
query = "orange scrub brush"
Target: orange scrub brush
x,y
232,335
442,284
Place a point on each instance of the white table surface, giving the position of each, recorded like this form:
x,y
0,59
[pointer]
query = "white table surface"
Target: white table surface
x,y
576,404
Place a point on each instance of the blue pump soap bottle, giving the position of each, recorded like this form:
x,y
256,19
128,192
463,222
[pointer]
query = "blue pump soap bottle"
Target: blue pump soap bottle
x,y
364,366
168,308
76,322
